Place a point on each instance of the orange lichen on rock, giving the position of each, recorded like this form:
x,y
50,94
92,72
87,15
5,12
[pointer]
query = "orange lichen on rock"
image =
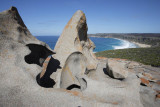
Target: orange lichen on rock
x,y
48,59
158,96
75,93
115,103
144,81
158,82
45,64
69,24
148,75
157,91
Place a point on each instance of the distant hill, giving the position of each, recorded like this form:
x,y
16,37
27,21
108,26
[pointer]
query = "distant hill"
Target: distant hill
x,y
152,39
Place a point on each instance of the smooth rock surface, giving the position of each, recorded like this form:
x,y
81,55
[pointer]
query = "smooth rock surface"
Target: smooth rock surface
x,y
74,68
123,93
116,69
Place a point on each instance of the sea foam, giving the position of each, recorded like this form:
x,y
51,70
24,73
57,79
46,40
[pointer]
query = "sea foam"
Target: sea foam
x,y
124,44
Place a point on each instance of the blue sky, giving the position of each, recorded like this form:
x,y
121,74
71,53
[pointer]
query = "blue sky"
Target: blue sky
x,y
49,17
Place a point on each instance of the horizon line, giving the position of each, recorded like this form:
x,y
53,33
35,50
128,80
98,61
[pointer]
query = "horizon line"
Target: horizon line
x,y
99,33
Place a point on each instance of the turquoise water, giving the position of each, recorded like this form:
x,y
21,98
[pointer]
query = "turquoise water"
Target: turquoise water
x,y
101,43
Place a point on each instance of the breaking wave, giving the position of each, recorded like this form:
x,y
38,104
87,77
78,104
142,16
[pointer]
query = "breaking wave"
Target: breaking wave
x,y
124,44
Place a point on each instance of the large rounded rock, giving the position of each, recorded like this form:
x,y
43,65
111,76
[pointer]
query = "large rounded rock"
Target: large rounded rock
x,y
116,69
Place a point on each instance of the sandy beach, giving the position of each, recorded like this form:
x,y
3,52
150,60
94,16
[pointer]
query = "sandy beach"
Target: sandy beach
x,y
142,45
138,44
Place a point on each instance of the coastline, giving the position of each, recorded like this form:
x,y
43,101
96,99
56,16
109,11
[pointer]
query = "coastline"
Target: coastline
x,y
140,45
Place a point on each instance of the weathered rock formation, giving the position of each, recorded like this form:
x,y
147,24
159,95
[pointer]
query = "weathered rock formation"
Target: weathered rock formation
x,y
74,38
22,79
74,68
12,28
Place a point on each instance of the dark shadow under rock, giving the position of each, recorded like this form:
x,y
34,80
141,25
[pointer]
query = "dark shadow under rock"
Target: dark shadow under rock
x,y
38,54
106,72
73,86
43,79
83,85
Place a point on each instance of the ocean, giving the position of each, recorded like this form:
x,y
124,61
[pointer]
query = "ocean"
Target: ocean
x,y
102,44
